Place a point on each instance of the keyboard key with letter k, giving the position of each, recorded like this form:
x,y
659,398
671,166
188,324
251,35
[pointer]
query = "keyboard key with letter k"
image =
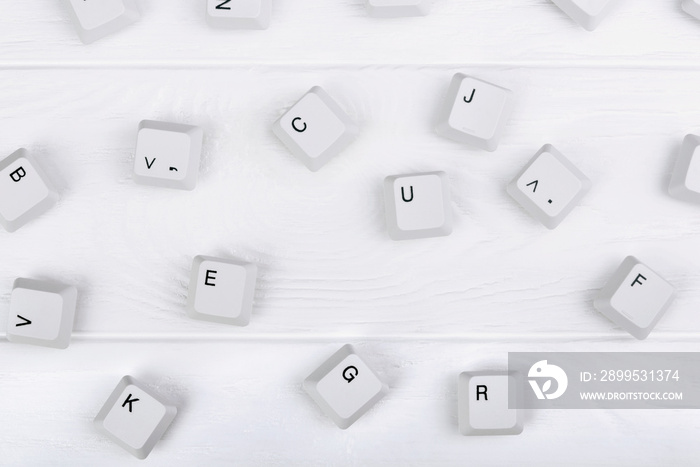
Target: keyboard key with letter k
x,y
134,417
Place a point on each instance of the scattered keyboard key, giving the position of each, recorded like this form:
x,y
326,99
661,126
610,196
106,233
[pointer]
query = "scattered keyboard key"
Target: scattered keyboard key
x,y
685,181
41,313
167,155
483,404
396,8
418,205
239,14
635,298
692,7
25,193
221,290
134,417
475,112
345,387
587,13
549,187
315,129
95,19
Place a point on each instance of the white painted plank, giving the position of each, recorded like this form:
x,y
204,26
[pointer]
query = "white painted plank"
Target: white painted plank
x,y
339,31
326,263
242,403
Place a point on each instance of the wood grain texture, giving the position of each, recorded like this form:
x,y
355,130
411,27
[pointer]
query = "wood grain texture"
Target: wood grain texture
x,y
617,102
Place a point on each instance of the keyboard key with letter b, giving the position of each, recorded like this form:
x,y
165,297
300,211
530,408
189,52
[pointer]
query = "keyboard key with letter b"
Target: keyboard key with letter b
x,y
345,387
692,7
221,290
588,13
95,19
418,205
167,155
549,187
635,298
41,313
239,14
315,129
475,112
483,404
25,192
397,8
685,181
134,417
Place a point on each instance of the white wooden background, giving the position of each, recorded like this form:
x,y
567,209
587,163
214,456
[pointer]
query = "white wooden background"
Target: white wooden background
x,y
617,102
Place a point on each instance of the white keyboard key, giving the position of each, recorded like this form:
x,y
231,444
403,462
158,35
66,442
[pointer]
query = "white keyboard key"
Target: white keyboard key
x,y
635,298
587,13
167,155
134,417
315,129
25,192
41,313
685,181
418,205
475,112
549,187
221,290
397,8
239,14
692,7
95,19
483,404
345,387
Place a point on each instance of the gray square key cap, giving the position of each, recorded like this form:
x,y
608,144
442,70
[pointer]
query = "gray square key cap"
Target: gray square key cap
x,y
315,129
549,187
239,14
344,387
167,154
418,205
221,290
475,112
635,298
95,19
134,417
685,181
25,192
483,404
41,313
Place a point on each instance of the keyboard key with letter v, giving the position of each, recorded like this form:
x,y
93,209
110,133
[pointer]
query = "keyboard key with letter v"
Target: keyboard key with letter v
x,y
41,313
167,155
